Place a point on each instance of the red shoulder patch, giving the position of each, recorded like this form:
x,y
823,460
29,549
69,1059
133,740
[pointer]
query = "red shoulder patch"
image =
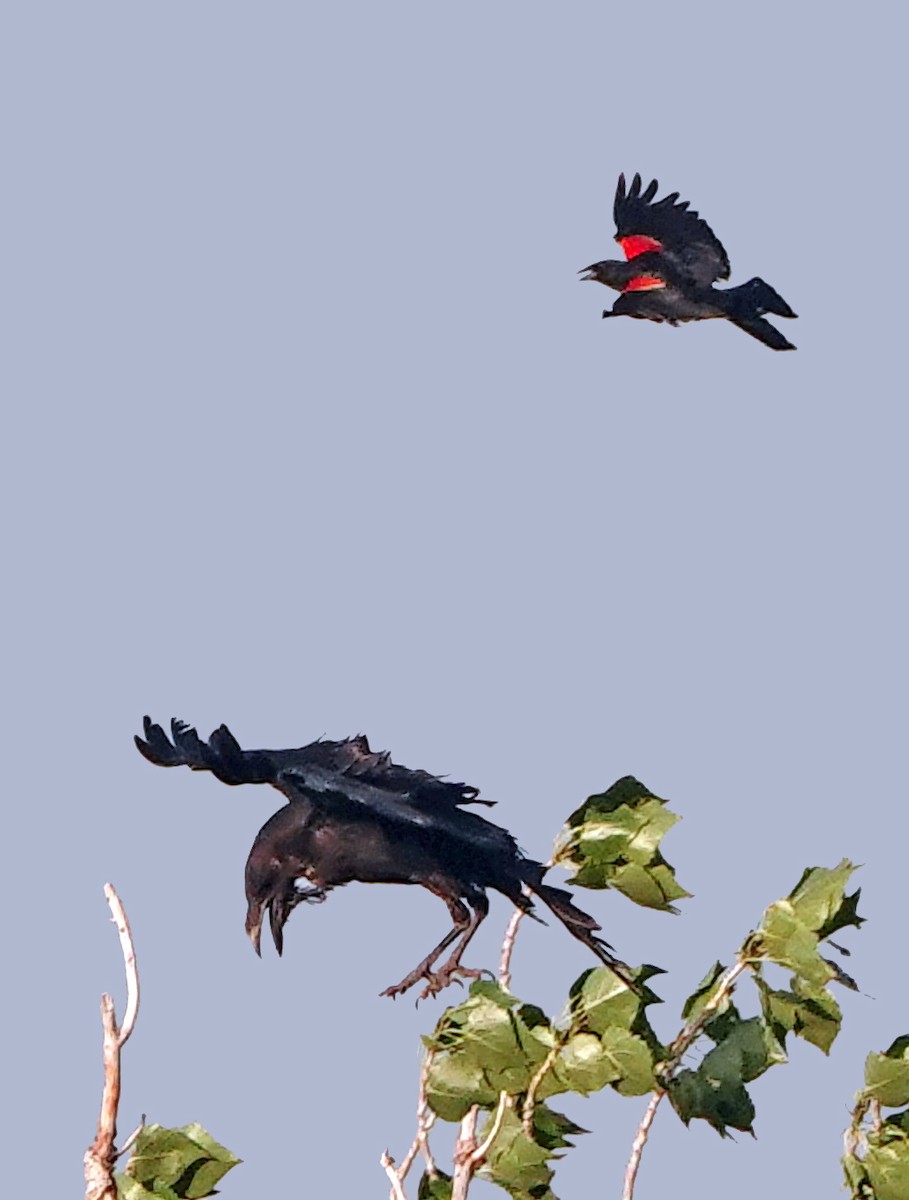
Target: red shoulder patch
x,y
644,283
638,243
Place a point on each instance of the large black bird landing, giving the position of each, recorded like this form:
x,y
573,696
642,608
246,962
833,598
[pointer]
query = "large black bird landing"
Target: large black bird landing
x,y
357,816
673,260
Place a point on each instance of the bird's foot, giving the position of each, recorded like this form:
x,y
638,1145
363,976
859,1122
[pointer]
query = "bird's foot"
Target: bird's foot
x,y
436,981
448,974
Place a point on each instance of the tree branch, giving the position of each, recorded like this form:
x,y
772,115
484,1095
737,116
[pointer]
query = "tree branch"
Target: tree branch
x,y
479,1155
100,1156
508,947
465,1148
397,1191
677,1051
426,1118
530,1100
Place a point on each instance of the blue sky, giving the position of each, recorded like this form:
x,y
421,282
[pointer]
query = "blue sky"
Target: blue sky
x,y
311,429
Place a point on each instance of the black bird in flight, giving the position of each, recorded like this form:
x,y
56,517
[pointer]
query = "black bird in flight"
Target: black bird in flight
x,y
357,816
674,258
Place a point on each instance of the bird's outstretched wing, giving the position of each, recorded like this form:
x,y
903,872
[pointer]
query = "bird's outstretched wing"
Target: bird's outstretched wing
x,y
669,227
338,778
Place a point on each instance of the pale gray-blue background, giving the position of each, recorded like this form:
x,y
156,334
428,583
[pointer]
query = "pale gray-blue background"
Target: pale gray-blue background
x,y
310,429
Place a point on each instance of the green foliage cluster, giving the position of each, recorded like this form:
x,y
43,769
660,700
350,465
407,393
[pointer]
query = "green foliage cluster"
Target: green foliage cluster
x,y
613,840
790,934
876,1163
509,1058
174,1164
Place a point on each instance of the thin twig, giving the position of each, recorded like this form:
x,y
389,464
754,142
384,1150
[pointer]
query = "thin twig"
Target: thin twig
x,y
425,1120
397,1191
530,1100
132,1138
100,1156
723,990
465,1147
129,961
479,1155
508,947
640,1141
677,1051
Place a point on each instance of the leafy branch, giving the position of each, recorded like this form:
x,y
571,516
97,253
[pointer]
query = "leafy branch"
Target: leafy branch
x,y
493,1062
876,1149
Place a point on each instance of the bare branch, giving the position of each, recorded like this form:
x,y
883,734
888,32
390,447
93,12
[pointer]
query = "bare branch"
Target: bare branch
x,y
508,947
100,1156
426,1118
129,962
479,1155
464,1150
640,1141
397,1191
530,1100
132,1137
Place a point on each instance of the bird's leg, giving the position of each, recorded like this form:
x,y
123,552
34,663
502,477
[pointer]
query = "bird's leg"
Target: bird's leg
x,y
465,922
452,968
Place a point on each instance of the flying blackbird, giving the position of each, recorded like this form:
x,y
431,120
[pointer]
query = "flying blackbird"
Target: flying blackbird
x,y
356,816
674,257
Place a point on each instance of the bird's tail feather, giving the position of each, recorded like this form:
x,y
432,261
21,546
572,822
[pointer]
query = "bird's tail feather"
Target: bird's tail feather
x,y
745,306
582,926
764,332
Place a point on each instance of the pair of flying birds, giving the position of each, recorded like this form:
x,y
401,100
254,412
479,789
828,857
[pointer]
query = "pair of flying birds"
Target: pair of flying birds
x,y
673,260
355,815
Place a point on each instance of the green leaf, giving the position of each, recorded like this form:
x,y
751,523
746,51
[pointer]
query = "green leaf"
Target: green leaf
x,y
744,1049
785,939
845,915
582,1066
887,1165
716,1092
553,1129
175,1164
703,993
887,1075
723,1103
633,1059
454,1084
600,1000
484,1046
819,901
434,1187
809,1012
613,840
791,929
517,1163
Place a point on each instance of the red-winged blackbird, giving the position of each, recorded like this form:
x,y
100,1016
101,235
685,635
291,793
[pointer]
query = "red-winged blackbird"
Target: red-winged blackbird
x,y
674,257
357,816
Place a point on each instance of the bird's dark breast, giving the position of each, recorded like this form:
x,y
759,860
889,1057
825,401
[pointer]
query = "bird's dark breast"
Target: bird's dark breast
x,y
665,304
369,851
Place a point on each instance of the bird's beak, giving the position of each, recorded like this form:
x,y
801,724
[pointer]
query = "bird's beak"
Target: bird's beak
x,y
587,273
277,914
254,926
